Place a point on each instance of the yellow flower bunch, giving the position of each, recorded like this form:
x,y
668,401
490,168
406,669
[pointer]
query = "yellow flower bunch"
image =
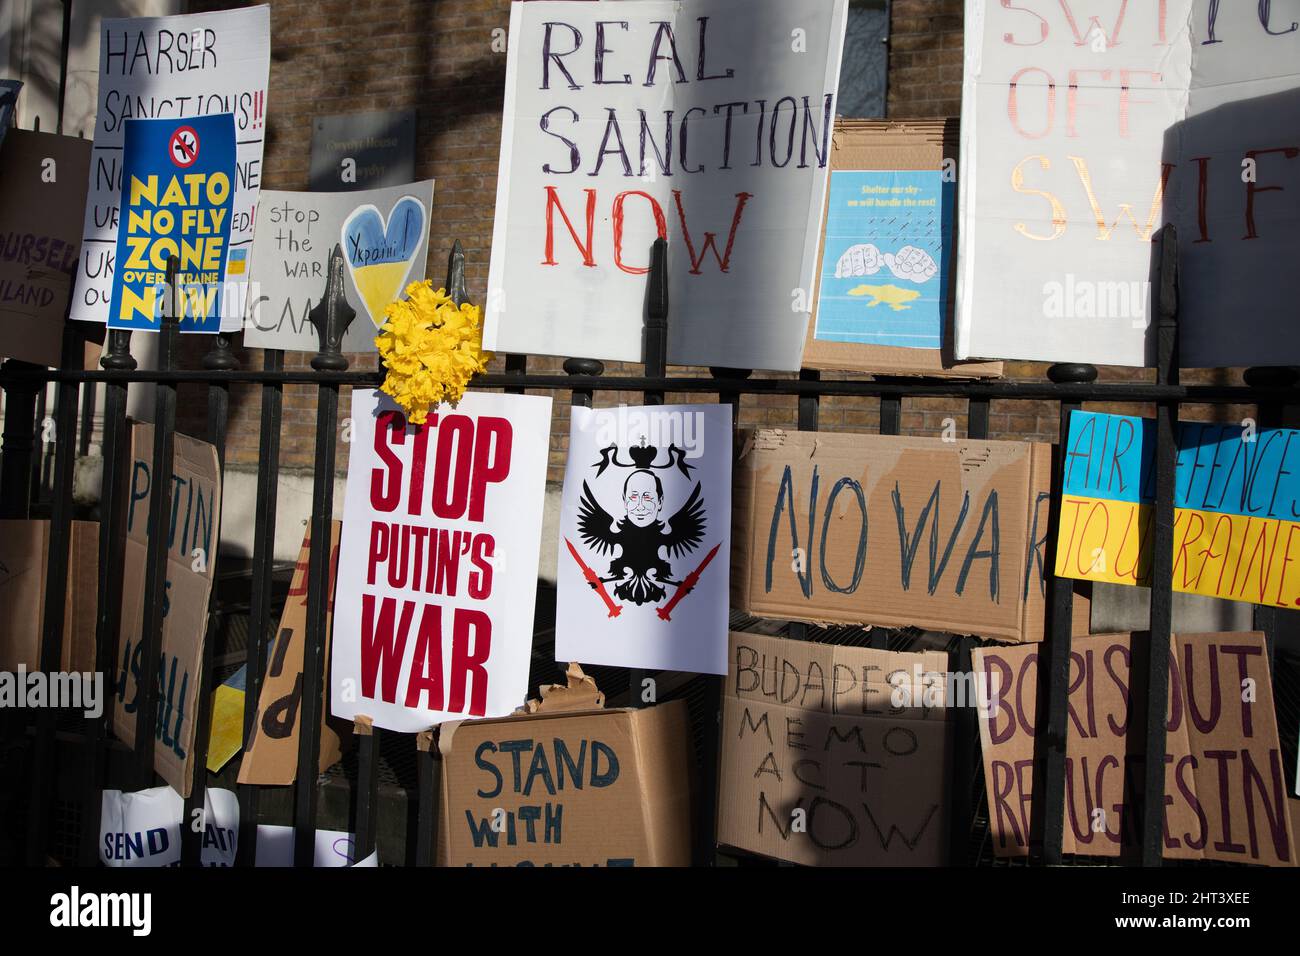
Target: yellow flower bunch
x,y
430,348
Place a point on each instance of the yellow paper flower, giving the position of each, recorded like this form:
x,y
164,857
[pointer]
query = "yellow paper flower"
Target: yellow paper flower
x,y
430,349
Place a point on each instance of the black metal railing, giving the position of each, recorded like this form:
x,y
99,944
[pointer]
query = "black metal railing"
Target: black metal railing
x,y
104,761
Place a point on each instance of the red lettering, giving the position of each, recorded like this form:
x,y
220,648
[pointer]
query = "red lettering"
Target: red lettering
x,y
390,427
661,224
552,204
382,645
419,450
468,657
481,552
451,470
491,460
379,544
724,260
426,666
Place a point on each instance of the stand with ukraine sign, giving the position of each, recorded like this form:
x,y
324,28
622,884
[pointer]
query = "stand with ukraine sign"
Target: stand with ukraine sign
x,y
177,186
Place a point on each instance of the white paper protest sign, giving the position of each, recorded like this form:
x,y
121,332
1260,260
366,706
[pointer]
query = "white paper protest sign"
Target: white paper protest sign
x,y
144,828
645,538
706,122
1085,128
437,575
296,232
333,849
172,67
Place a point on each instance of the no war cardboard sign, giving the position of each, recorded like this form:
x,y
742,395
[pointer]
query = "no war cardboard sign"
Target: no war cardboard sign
x,y
894,531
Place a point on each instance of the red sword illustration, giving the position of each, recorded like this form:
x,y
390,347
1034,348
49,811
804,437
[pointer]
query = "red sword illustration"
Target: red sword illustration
x,y
594,580
665,612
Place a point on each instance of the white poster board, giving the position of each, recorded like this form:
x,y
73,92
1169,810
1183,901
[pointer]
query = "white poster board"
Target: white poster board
x,y
437,576
1083,132
296,233
171,67
333,849
707,122
144,828
645,538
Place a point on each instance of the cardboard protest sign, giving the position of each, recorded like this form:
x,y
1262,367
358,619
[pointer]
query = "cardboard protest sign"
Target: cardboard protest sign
x,y
1225,794
645,532
191,567
567,784
707,123
272,756
818,764
885,276
893,531
292,248
176,68
42,201
24,563
144,828
1235,508
442,523
176,200
1082,132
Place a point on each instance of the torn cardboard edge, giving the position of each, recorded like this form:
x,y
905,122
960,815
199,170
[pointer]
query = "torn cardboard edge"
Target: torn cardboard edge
x,y
905,145
578,693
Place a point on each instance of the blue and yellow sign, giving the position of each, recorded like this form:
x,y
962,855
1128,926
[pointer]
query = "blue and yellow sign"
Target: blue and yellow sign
x,y
176,198
1236,508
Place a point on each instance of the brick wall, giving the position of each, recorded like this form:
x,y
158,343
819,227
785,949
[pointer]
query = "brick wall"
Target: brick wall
x,y
338,56
925,50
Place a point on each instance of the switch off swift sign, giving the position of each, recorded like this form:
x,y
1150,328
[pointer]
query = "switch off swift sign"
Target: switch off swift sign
x,y
437,576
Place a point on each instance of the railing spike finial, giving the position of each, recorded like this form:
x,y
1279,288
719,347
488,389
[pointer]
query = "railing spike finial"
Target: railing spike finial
x,y
456,275
117,357
331,317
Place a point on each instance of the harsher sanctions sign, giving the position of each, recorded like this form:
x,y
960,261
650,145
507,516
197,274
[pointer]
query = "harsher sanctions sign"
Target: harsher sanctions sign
x,y
437,566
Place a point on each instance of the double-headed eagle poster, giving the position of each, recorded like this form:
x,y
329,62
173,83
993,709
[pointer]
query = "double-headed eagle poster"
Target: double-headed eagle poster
x,y
645,538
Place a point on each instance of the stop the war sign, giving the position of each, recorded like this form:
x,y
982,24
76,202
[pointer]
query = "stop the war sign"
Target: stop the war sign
x,y
433,616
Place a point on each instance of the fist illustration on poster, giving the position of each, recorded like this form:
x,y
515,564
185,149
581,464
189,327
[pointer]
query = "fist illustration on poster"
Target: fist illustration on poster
x,y
863,259
912,264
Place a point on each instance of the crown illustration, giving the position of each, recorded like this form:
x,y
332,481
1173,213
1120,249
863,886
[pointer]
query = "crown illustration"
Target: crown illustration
x,y
643,457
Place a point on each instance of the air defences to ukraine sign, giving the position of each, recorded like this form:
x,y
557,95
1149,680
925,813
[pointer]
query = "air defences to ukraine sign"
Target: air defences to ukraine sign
x,y
177,196
1236,508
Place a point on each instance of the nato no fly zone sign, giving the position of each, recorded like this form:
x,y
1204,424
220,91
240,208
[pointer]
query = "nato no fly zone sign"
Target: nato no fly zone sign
x,y
176,199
